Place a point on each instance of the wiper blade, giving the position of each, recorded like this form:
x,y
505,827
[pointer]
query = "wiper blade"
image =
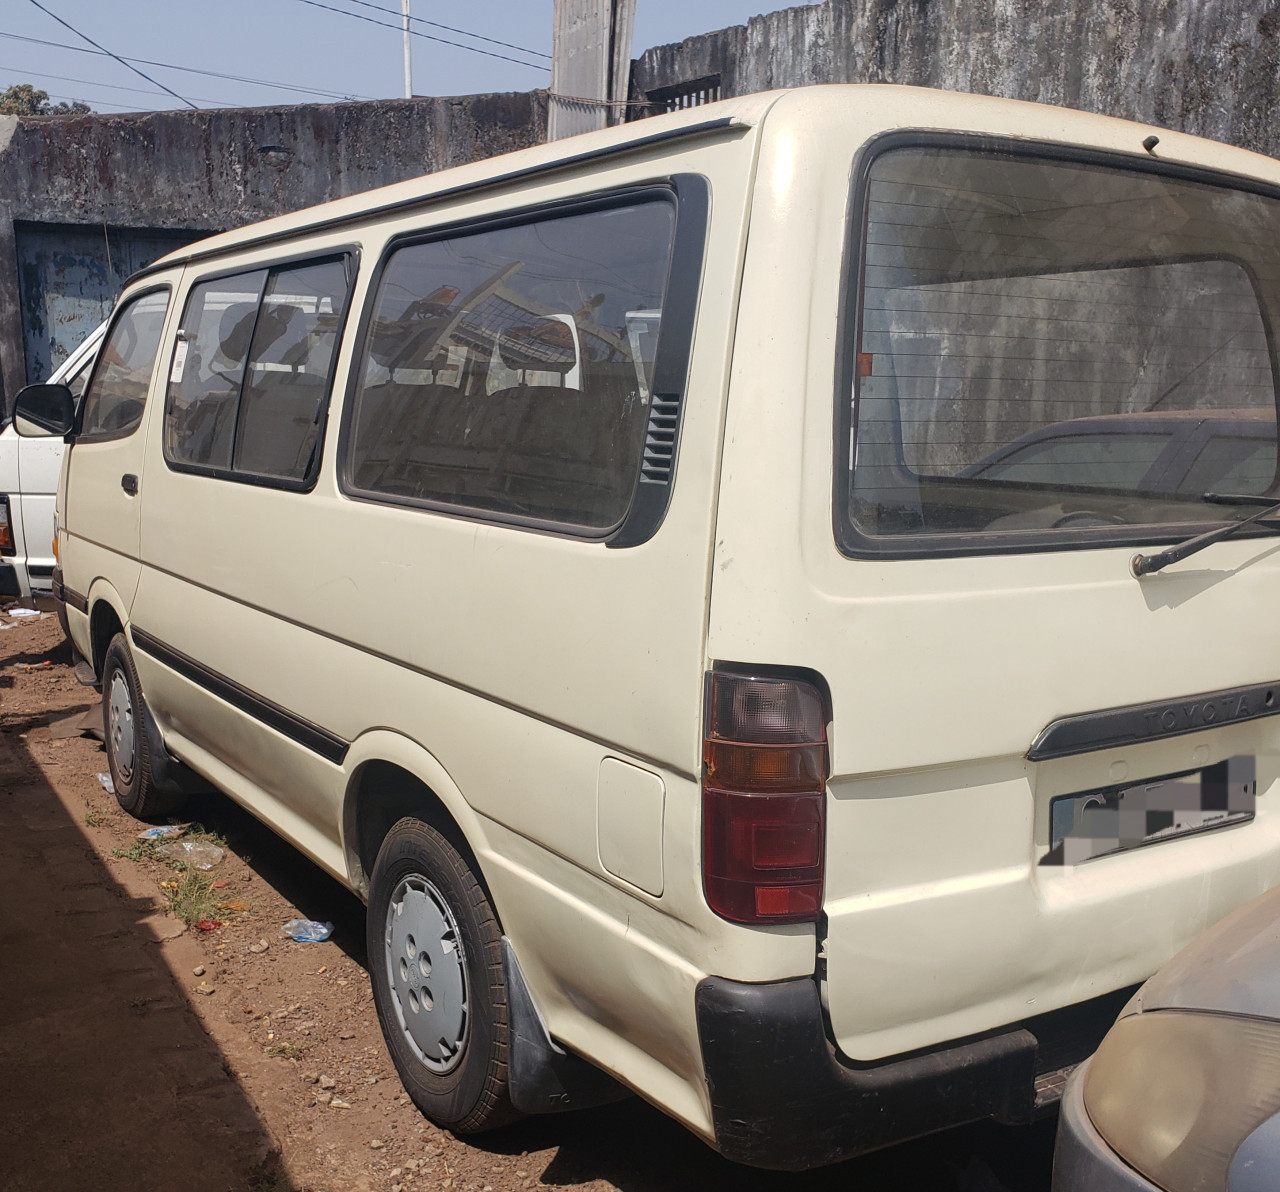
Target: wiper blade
x,y
1236,499
1142,565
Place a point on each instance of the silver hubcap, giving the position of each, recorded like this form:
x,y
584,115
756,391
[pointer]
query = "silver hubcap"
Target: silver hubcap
x,y
120,726
427,972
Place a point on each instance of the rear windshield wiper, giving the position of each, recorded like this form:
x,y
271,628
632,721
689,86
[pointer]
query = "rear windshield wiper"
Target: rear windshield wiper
x,y
1142,565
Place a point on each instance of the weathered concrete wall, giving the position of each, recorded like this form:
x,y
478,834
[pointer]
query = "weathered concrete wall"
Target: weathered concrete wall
x,y
1210,67
208,170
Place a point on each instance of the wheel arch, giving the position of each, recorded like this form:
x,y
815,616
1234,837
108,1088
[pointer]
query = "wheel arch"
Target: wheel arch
x,y
390,776
107,617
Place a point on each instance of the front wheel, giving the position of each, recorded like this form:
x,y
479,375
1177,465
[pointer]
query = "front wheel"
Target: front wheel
x,y
435,960
127,744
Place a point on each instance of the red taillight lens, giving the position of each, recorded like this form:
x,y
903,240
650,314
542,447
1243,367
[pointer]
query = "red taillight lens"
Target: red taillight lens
x,y
764,799
6,530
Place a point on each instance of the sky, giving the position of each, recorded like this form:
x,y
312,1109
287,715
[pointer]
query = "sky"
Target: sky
x,y
303,51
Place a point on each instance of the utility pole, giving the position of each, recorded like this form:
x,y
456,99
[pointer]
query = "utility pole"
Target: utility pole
x,y
408,54
590,66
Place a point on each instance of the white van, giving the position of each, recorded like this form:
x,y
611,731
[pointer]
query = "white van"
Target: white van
x,y
29,469
585,556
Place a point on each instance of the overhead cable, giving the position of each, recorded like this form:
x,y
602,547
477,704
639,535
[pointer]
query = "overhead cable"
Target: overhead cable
x,y
355,16
126,65
35,74
465,32
213,74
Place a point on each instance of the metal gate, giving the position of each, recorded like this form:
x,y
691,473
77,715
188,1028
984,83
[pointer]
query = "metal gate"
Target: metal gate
x,y
70,277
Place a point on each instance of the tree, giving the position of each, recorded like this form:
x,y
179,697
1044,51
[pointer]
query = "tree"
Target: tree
x,y
22,99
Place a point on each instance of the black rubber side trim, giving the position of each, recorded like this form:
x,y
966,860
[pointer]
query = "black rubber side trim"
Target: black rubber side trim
x,y
782,1098
67,595
304,732
542,1076
1137,723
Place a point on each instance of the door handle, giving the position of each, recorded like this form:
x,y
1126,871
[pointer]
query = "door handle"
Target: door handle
x,y
129,482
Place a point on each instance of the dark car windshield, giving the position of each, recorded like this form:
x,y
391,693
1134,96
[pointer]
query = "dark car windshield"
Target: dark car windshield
x,y
1047,346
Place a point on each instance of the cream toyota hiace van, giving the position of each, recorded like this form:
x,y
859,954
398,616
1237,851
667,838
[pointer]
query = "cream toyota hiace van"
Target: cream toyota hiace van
x,y
608,562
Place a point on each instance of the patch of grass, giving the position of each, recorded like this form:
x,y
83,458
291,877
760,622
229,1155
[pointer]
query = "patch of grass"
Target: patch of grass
x,y
139,850
95,819
193,899
286,1051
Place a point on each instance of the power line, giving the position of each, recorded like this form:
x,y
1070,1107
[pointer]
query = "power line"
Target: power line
x,y
126,65
465,32
355,16
213,74
124,107
25,74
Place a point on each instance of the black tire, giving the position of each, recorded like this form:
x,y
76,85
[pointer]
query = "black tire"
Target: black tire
x,y
127,744
422,883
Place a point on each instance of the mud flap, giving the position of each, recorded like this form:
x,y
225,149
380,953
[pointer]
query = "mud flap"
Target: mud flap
x,y
543,1077
168,774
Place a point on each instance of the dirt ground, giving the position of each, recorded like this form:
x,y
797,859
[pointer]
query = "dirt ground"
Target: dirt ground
x,y
137,1052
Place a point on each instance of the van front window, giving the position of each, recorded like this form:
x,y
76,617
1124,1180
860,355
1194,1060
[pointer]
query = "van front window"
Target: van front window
x,y
1048,347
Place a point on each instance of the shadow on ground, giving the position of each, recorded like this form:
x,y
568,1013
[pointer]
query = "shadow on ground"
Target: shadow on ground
x,y
107,1078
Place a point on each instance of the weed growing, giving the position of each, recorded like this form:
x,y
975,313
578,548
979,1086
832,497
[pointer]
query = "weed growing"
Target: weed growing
x,y
95,819
192,899
286,1051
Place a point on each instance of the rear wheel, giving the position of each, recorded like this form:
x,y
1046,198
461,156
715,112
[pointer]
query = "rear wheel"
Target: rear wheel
x,y
435,960
128,749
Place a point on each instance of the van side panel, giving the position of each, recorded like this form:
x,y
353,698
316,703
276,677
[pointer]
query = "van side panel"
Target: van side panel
x,y
518,659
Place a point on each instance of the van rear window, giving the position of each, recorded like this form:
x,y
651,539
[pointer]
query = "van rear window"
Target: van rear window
x,y
507,372
1047,346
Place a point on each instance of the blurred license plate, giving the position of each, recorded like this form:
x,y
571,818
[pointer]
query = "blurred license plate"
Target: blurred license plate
x,y
1098,823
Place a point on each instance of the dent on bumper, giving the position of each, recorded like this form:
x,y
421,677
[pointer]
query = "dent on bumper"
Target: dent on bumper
x,y
782,1098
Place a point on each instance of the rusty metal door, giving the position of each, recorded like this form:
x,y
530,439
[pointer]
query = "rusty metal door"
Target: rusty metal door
x,y
69,279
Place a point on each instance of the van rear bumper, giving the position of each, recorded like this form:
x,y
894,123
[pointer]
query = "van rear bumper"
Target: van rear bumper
x,y
783,1098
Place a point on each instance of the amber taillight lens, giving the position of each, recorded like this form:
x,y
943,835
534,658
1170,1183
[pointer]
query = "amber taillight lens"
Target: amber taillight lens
x,y
764,776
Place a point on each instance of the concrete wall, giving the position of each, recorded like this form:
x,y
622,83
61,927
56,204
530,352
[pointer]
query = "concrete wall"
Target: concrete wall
x,y
1210,67
208,170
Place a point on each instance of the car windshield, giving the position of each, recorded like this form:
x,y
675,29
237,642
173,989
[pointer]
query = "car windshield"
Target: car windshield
x,y
1045,346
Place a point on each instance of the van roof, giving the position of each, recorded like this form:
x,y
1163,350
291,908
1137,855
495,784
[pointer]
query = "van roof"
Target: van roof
x,y
723,117
920,106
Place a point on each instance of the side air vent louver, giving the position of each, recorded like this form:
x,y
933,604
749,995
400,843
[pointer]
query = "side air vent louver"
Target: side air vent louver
x,y
660,440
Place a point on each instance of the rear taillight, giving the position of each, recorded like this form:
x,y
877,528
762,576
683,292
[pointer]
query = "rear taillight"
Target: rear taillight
x,y
6,528
764,777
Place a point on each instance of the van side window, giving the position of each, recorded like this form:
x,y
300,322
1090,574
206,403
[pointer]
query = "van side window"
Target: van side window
x,y
508,371
252,370
117,394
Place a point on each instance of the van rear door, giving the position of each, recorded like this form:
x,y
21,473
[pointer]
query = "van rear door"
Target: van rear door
x,y
1027,328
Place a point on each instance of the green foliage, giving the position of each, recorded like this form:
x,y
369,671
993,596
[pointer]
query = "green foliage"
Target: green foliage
x,y
22,99
193,899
